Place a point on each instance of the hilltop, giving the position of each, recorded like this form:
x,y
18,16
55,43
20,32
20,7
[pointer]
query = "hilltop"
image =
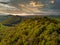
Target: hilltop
x,y
31,31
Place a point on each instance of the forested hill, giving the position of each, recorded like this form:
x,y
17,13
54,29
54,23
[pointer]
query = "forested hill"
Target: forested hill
x,y
32,31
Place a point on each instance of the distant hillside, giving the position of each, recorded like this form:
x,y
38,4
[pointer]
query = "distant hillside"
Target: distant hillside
x,y
4,17
31,31
10,20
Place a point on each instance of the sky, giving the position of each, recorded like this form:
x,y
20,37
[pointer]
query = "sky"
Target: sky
x,y
4,0
16,2
41,7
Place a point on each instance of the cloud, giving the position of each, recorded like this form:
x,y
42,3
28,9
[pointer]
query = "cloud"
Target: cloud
x,y
24,7
4,0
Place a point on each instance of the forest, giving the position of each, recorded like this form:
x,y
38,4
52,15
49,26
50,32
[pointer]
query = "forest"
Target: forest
x,y
40,30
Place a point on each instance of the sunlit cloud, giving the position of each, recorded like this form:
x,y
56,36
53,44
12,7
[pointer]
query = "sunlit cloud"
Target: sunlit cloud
x,y
52,1
29,8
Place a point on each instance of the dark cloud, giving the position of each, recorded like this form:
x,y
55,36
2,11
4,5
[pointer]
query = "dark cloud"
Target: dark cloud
x,y
49,8
57,4
16,2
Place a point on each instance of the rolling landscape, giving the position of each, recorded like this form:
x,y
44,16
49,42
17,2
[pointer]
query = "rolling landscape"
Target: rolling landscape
x,y
30,30
29,22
